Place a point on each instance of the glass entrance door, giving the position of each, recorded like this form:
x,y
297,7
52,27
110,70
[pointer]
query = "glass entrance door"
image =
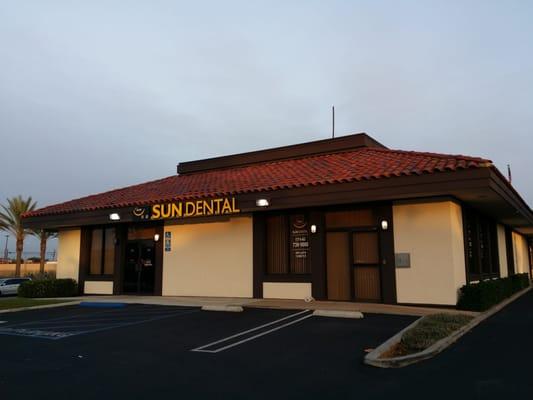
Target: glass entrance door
x,y
139,274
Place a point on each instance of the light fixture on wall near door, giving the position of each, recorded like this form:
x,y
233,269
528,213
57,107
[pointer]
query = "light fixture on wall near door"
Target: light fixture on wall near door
x,y
313,228
114,217
156,237
384,225
262,203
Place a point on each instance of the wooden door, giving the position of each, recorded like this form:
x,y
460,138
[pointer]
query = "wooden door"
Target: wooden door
x,y
366,266
338,265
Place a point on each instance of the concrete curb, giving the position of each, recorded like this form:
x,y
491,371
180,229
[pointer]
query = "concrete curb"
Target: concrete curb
x,y
338,314
10,310
226,308
373,359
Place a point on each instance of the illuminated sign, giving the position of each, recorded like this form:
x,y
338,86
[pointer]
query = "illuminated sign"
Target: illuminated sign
x,y
186,209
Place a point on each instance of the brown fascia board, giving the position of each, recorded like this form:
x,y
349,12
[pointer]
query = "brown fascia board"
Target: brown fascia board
x,y
502,186
406,187
338,144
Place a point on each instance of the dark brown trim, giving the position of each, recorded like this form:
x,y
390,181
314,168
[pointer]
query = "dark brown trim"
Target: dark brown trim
x,y
259,254
317,244
159,253
100,278
386,242
341,143
287,278
429,305
85,251
120,257
510,194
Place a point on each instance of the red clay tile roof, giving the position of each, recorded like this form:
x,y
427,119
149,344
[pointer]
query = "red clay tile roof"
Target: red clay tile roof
x,y
348,166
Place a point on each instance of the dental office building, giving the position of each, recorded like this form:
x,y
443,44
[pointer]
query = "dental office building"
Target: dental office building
x,y
343,219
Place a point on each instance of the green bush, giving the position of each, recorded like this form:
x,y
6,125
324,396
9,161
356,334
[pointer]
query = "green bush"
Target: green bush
x,y
484,294
48,288
431,329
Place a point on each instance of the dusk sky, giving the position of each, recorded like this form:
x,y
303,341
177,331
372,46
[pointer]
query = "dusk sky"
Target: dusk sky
x,y
96,95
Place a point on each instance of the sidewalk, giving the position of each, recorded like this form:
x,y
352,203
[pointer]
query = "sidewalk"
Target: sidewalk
x,y
372,308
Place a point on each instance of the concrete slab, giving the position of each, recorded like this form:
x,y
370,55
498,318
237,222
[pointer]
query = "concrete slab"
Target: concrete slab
x,y
365,308
224,308
338,314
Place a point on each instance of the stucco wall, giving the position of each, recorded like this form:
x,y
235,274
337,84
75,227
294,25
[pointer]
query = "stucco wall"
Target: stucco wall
x,y
98,287
521,260
433,234
68,254
210,259
502,251
286,290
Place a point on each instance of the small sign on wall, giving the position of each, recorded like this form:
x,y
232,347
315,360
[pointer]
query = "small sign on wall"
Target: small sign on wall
x,y
402,260
168,241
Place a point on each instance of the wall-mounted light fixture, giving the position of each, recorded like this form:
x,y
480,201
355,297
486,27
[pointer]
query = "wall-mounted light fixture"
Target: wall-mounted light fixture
x,y
262,203
313,228
114,217
384,225
156,237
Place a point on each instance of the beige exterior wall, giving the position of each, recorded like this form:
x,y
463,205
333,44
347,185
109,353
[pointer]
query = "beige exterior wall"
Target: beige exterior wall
x,y
286,290
210,259
502,250
433,234
98,287
68,254
521,260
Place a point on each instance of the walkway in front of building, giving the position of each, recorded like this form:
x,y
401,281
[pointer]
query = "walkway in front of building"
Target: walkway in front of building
x,y
372,308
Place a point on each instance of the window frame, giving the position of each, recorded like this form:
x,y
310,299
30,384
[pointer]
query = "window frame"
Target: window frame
x,y
102,257
288,276
482,232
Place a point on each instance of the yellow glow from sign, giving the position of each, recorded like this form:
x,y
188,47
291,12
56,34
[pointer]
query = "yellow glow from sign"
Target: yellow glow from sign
x,y
197,208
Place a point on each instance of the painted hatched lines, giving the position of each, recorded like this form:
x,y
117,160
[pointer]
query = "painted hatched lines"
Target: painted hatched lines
x,y
63,327
228,342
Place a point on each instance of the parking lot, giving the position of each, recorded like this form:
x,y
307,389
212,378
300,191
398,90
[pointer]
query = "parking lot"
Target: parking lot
x,y
143,351
91,352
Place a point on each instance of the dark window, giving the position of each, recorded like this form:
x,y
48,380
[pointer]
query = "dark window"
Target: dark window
x,y
102,255
481,246
287,244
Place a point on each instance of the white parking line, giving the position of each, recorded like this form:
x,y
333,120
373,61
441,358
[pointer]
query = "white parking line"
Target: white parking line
x,y
201,348
3,322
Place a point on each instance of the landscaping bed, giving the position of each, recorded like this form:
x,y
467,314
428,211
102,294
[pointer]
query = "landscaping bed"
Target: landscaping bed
x,y
426,332
19,302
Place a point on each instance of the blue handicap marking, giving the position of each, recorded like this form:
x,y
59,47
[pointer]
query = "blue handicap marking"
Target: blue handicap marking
x,y
36,333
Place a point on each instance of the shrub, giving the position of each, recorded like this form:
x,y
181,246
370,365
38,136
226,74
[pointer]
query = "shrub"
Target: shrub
x,y
431,329
484,294
49,288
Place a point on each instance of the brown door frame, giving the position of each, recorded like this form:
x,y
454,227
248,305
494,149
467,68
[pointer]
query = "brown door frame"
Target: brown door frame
x,y
383,212
350,232
353,265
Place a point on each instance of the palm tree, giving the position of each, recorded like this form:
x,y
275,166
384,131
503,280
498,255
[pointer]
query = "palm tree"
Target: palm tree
x,y
11,221
43,238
